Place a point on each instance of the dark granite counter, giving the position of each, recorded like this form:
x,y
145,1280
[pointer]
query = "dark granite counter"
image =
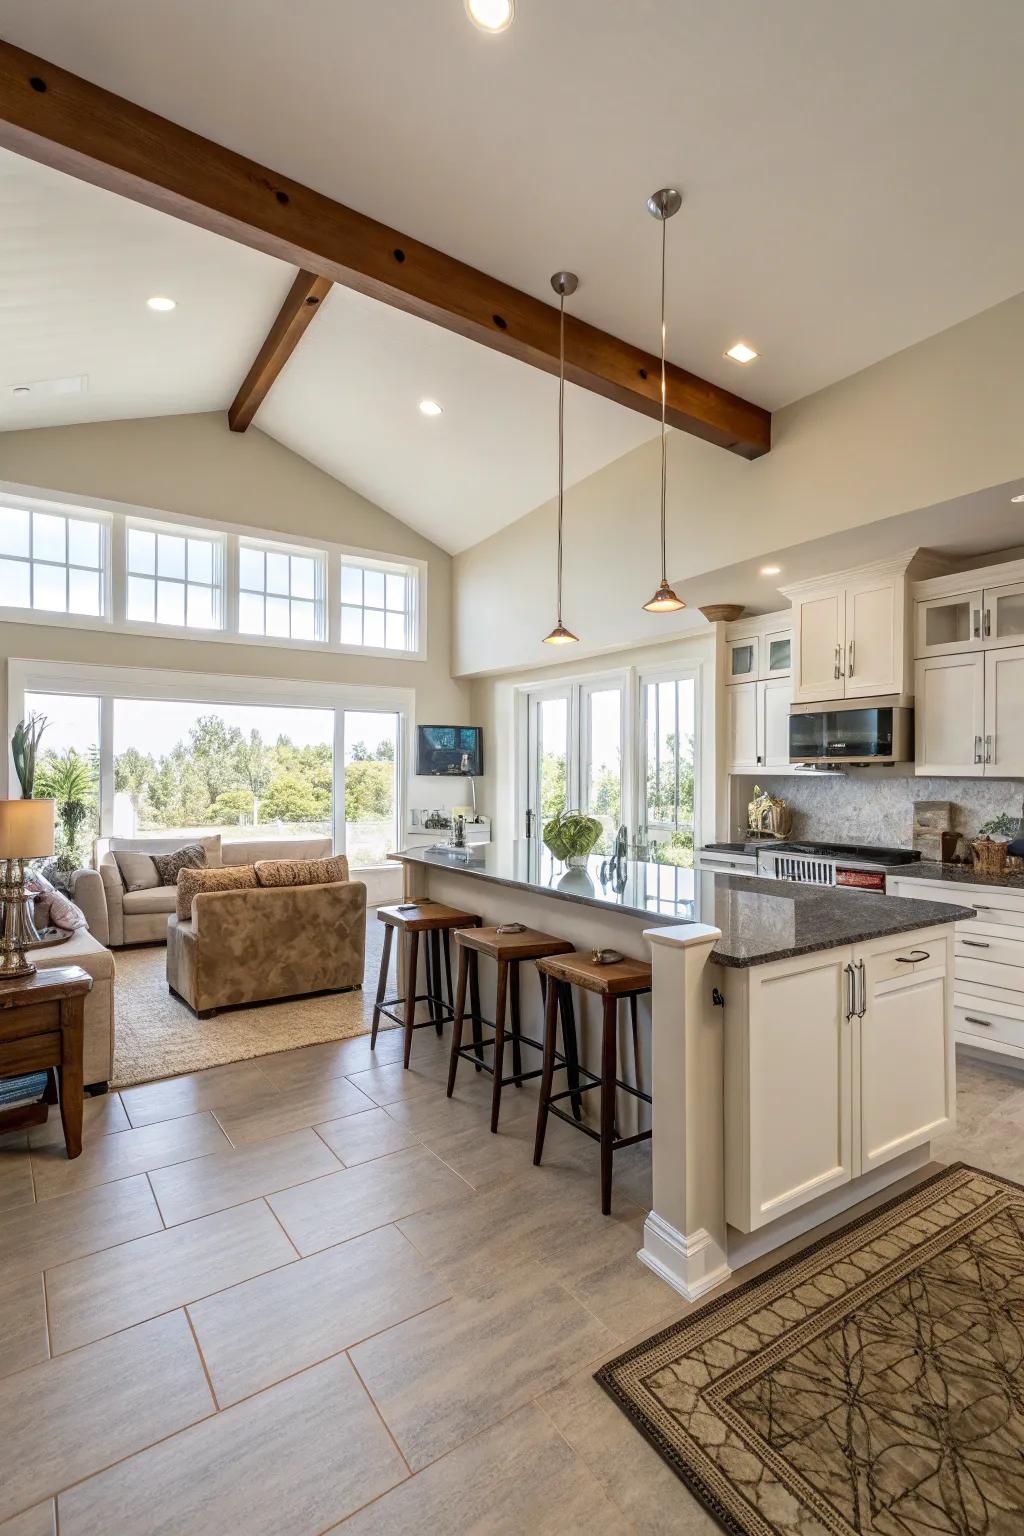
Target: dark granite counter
x,y
760,920
955,874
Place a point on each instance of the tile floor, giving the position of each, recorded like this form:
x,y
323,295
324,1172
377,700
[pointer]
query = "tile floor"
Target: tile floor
x,y
308,1293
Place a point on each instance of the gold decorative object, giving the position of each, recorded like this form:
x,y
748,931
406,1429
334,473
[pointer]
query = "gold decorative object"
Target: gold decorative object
x,y
722,613
26,832
768,815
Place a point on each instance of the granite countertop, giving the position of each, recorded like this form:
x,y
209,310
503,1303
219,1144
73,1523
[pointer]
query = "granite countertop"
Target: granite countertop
x,y
760,920
955,874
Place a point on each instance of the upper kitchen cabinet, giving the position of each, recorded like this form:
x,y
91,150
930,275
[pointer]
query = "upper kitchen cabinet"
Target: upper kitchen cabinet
x,y
742,659
851,631
758,668
759,648
977,610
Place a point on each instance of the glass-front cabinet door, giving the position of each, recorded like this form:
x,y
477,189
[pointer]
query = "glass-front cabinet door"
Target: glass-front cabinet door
x,y
743,660
949,624
778,654
1003,620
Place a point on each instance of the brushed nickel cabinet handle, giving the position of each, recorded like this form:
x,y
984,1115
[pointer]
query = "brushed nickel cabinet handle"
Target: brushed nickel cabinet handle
x,y
976,623
849,663
837,668
977,749
851,982
988,624
976,943
862,1010
985,1023
988,749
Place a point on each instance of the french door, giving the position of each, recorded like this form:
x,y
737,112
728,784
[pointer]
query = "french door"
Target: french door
x,y
575,737
668,775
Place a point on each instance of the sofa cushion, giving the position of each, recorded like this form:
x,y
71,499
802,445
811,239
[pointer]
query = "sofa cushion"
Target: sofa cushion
x,y
191,882
168,865
302,871
250,850
137,870
140,903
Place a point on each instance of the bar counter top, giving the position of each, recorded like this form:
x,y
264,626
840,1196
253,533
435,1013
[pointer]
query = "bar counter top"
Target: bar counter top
x,y
760,920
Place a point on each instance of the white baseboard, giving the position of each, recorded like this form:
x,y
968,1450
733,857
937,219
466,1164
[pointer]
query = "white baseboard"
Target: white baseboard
x,y
691,1263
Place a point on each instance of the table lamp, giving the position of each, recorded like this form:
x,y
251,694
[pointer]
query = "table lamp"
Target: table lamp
x,y
26,832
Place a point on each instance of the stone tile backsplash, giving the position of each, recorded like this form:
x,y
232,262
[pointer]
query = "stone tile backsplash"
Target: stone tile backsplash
x,y
875,807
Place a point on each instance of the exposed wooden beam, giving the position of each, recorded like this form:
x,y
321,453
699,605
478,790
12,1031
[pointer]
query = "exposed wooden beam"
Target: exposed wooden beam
x,y
50,115
304,299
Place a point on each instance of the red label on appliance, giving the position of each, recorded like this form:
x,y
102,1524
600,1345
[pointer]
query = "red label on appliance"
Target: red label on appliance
x,y
862,879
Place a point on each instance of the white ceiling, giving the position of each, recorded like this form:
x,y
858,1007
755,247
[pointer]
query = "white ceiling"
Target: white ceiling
x,y
852,171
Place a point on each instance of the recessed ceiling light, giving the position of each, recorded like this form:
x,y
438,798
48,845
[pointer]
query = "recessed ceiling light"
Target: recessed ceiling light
x,y
741,353
1018,498
491,15
431,408
161,303
770,570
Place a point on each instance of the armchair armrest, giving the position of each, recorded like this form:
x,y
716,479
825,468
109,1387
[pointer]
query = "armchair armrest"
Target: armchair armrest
x,y
113,890
87,892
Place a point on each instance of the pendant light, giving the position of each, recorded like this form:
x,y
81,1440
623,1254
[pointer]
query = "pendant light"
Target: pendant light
x,y
563,283
662,205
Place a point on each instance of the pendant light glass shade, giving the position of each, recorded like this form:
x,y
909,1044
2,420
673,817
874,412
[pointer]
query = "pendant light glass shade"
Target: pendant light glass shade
x,y
662,205
563,283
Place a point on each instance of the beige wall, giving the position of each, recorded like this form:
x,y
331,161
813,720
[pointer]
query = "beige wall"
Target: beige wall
x,y
939,420
194,466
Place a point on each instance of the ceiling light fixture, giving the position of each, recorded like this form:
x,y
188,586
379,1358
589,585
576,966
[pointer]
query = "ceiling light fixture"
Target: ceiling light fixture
x,y
161,303
771,570
663,205
741,353
563,283
491,15
431,408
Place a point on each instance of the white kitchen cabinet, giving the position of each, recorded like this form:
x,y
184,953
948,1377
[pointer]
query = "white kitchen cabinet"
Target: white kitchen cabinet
x,y
873,655
949,624
777,653
949,720
819,640
1003,615
743,659
1004,713
758,725
835,1063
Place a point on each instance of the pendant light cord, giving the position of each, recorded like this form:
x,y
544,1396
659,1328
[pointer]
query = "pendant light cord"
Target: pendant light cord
x,y
561,438
664,470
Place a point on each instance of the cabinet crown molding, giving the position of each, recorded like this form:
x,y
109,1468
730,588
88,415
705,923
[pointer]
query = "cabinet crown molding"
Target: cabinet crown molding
x,y
759,624
925,562
974,580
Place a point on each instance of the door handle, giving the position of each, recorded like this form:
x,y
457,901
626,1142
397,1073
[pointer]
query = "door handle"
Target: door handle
x,y
849,662
976,943
977,749
987,631
862,975
835,664
851,982
917,955
976,623
988,749
985,1023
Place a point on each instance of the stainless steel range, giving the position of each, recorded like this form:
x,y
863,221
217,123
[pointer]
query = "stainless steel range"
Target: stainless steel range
x,y
859,866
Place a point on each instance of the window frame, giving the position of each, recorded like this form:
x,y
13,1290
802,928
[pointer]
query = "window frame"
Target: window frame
x,y
69,513
320,585
387,568
218,585
118,516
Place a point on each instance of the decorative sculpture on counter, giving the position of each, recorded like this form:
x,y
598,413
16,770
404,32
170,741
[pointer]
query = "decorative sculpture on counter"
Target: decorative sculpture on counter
x,y
768,815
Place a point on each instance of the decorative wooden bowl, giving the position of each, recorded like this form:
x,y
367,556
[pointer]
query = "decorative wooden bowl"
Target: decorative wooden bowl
x,y
722,613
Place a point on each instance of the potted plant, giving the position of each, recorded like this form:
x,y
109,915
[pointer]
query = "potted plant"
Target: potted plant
x,y
571,836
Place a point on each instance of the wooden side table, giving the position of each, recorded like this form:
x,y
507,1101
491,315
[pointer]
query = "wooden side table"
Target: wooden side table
x,y
41,1029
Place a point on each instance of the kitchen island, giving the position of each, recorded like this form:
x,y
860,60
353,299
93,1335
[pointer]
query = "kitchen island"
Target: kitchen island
x,y
798,1047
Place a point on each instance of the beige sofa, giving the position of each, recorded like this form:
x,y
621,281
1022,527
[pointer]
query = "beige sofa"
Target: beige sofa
x,y
265,943
85,950
116,916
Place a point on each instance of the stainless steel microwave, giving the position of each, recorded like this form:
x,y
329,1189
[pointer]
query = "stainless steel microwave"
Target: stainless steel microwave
x,y
879,730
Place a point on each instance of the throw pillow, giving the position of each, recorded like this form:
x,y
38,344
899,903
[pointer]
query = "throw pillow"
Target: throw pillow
x,y
137,870
302,871
51,908
168,864
231,877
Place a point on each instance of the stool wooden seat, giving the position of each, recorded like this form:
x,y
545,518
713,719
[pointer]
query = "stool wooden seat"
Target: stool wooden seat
x,y
508,950
410,919
623,978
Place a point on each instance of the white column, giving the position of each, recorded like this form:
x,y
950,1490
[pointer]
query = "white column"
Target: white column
x,y
684,1234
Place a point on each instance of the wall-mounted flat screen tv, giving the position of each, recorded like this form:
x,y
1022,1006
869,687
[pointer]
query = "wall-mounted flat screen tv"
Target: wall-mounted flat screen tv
x,y
450,750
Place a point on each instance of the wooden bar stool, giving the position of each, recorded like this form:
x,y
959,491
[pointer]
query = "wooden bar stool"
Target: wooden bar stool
x,y
435,921
509,950
624,978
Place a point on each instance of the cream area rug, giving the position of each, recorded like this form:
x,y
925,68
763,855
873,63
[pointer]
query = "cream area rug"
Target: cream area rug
x,y
157,1036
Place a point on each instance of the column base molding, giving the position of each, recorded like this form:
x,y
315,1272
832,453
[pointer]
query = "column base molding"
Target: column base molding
x,y
692,1263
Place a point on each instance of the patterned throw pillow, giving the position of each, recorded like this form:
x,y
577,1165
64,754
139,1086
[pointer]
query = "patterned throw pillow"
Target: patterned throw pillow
x,y
51,908
167,865
231,877
302,871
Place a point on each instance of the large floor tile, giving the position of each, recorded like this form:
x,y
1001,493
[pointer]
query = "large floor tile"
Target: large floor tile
x,y
445,1375
34,1237
356,1200
173,1097
128,1152
23,1335
387,1082
40,1520
257,1333
74,1415
483,1159
334,1058
98,1295
360,1138
291,1462
103,1115
15,1173
275,1112
518,1476
432,1113
205,1184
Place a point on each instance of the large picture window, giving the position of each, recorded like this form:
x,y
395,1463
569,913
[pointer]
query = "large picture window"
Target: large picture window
x,y
52,562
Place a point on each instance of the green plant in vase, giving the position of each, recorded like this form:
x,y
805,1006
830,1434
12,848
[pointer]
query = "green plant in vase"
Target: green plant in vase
x,y
571,836
24,751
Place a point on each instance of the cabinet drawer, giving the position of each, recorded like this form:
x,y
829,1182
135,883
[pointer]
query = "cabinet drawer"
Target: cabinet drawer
x,y
989,941
999,905
1009,977
32,1054
976,1019
910,959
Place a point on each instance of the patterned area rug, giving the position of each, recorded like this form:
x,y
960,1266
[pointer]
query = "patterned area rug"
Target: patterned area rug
x,y
873,1383
157,1036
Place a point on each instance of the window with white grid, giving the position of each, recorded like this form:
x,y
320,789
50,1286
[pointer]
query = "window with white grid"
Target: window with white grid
x,y
378,606
52,562
281,591
175,577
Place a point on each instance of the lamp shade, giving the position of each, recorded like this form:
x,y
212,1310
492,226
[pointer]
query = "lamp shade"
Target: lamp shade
x,y
26,829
